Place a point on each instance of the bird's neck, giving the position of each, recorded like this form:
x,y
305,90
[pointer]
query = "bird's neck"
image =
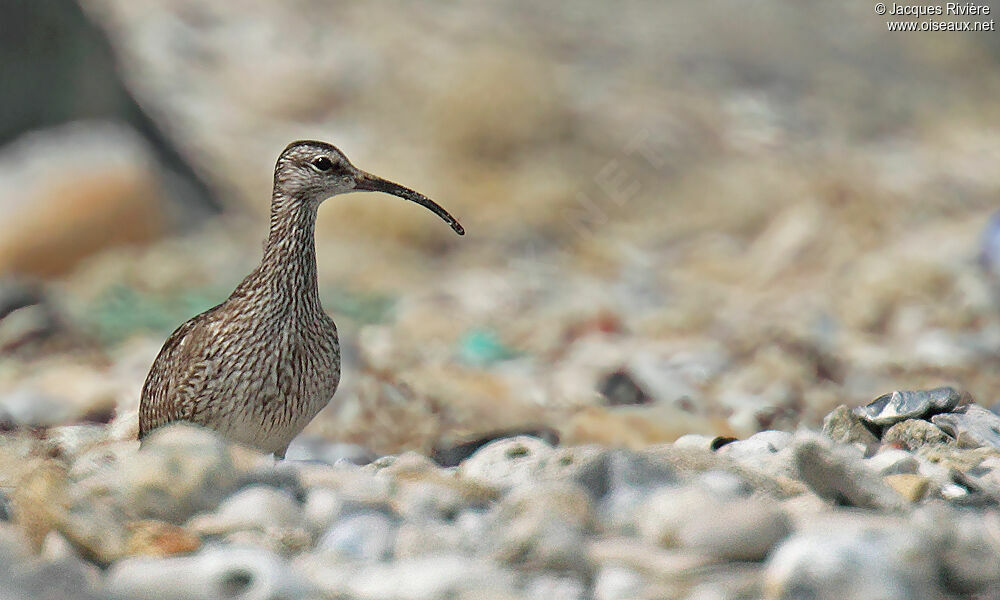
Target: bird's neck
x,y
288,268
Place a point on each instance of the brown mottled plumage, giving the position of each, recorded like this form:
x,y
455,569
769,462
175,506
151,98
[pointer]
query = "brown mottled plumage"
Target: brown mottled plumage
x,y
259,366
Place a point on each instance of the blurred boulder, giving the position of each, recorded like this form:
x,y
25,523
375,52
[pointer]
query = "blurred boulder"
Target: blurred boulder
x,y
73,190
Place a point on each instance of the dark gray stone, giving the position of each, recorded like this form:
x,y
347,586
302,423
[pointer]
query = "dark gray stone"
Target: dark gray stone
x,y
972,426
621,389
897,406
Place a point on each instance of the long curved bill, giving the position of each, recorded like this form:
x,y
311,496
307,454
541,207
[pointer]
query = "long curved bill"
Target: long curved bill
x,y
370,183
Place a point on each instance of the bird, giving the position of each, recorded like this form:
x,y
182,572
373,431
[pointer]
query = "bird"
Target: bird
x,y
259,366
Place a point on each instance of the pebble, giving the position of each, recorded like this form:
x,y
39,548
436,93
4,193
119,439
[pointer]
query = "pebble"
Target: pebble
x,y
322,506
891,461
543,527
66,577
911,486
586,466
26,408
517,518
970,554
214,574
72,440
506,463
973,427
766,451
759,444
738,530
258,507
180,470
424,578
630,477
898,406
556,587
465,535
696,440
306,448
617,583
845,426
914,433
857,563
840,475
156,538
367,536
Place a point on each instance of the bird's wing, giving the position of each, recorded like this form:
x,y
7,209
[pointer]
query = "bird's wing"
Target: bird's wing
x,y
178,375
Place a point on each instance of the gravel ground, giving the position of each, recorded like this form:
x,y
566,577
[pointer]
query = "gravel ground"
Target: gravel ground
x,y
897,499
700,247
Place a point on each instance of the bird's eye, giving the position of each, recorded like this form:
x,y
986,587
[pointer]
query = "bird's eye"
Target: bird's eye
x,y
322,163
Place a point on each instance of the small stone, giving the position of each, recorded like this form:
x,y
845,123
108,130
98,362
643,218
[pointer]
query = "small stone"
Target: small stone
x,y
914,433
66,577
309,448
972,426
156,538
452,453
482,348
419,578
554,587
989,249
620,389
586,466
97,530
911,486
766,451
70,441
220,573
738,530
897,406
25,408
280,475
838,473
180,470
367,536
632,477
891,461
40,499
761,443
322,506
258,508
971,554
421,538
696,440
543,527
858,562
844,426
617,583
649,559
506,463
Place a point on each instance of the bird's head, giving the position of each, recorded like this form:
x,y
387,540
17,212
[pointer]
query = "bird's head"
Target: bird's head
x,y
313,171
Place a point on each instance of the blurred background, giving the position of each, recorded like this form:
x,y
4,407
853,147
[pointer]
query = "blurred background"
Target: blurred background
x,y
682,217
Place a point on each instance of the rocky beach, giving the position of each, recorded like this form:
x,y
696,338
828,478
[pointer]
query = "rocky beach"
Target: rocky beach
x,y
897,499
725,323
